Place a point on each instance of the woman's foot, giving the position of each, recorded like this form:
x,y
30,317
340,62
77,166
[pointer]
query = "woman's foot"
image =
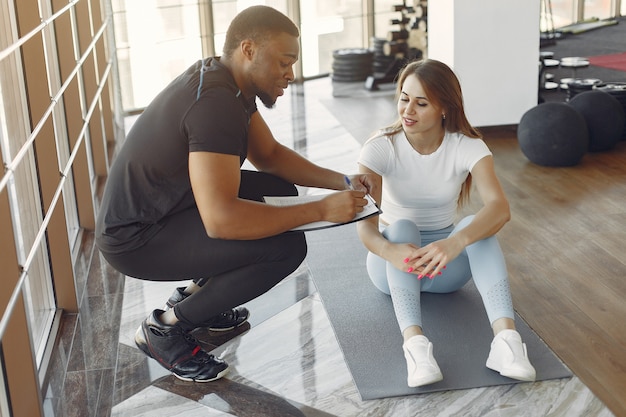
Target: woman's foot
x,y
421,365
508,356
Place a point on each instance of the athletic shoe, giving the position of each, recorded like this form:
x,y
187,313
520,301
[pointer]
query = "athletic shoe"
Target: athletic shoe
x,y
420,362
178,351
178,296
509,357
228,320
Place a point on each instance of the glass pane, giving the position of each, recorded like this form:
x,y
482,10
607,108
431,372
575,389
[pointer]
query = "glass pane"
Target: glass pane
x,y
563,13
600,9
151,55
328,25
23,191
383,15
224,11
4,394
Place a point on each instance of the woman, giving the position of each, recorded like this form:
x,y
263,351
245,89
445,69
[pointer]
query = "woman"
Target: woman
x,y
423,168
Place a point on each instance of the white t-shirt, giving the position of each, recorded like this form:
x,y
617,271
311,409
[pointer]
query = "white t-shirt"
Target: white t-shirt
x,y
422,188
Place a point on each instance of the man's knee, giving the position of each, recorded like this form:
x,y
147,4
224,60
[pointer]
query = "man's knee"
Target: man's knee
x,y
294,250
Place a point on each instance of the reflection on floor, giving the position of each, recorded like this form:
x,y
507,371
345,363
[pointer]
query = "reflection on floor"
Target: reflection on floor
x,y
287,361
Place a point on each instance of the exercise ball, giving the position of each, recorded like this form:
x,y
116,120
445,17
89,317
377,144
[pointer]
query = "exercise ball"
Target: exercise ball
x,y
604,116
553,134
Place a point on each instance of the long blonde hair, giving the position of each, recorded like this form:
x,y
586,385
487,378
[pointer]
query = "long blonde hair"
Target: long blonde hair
x,y
443,89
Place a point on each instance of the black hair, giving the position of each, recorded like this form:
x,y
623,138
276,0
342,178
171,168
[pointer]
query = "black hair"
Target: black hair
x,y
257,23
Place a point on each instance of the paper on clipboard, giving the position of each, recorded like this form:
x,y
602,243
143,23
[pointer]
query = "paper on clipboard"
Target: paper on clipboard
x,y
370,209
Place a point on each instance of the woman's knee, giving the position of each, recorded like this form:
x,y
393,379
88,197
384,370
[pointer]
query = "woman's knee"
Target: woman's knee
x,y
403,231
463,223
376,270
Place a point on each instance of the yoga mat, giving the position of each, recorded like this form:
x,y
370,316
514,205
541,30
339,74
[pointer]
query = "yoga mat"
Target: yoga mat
x,y
612,61
367,331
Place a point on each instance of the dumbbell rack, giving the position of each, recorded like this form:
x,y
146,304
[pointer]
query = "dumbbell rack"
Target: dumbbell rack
x,y
408,40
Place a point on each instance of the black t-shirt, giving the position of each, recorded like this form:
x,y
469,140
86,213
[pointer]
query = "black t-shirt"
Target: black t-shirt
x,y
200,110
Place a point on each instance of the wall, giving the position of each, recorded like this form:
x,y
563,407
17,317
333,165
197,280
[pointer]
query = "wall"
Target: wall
x,y
493,46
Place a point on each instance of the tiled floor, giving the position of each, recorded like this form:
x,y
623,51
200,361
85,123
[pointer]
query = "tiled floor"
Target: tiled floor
x,y
287,362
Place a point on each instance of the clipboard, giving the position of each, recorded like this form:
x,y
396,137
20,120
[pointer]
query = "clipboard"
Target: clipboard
x,y
370,209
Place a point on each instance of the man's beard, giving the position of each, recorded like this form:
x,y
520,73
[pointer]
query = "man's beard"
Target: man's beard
x,y
266,99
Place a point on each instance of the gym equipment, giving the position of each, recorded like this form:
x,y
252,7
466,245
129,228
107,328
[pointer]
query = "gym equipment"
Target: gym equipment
x,y
617,90
574,63
587,25
604,117
575,86
553,134
401,45
352,64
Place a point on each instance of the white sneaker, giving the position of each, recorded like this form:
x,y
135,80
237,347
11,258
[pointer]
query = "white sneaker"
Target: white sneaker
x,y
420,362
508,356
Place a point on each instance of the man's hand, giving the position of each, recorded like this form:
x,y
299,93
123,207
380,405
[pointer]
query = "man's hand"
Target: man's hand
x,y
342,206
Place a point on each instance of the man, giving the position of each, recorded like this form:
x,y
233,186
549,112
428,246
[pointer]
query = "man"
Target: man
x,y
177,205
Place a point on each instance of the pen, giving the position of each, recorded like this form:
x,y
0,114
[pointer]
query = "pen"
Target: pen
x,y
348,183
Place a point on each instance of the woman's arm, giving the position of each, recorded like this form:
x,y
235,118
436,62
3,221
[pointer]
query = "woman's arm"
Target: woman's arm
x,y
369,232
494,213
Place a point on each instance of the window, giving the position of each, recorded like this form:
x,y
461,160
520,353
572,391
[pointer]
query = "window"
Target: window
x,y
151,55
56,125
174,39
328,25
23,192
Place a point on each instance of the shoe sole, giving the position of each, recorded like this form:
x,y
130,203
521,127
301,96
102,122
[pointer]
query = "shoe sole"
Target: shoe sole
x,y
218,376
226,329
510,373
142,344
426,381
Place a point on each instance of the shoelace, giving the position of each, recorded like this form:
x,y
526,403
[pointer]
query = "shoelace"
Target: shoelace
x,y
198,353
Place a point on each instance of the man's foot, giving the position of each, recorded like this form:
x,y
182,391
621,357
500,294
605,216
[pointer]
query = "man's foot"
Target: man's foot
x,y
421,365
177,351
228,320
508,356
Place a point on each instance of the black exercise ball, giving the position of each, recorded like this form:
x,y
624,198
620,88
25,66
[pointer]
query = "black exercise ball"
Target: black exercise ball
x,y
553,134
604,116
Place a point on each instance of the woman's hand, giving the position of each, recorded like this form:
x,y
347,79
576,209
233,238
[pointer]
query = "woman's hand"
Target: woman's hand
x,y
398,253
431,259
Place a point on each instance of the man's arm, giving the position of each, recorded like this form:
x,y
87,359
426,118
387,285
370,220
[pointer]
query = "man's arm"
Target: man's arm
x,y
215,180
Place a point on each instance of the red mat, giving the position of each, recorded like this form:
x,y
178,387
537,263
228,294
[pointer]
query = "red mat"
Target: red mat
x,y
613,61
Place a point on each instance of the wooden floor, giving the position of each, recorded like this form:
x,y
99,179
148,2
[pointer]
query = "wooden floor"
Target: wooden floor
x,y
565,248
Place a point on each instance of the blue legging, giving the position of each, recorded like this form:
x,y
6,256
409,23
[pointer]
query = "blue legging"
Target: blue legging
x,y
482,260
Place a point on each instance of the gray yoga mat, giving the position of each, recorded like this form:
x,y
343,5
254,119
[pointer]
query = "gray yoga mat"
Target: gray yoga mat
x,y
366,329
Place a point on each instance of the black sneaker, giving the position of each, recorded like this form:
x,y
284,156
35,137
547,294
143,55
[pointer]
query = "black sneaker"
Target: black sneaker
x,y
178,351
228,320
